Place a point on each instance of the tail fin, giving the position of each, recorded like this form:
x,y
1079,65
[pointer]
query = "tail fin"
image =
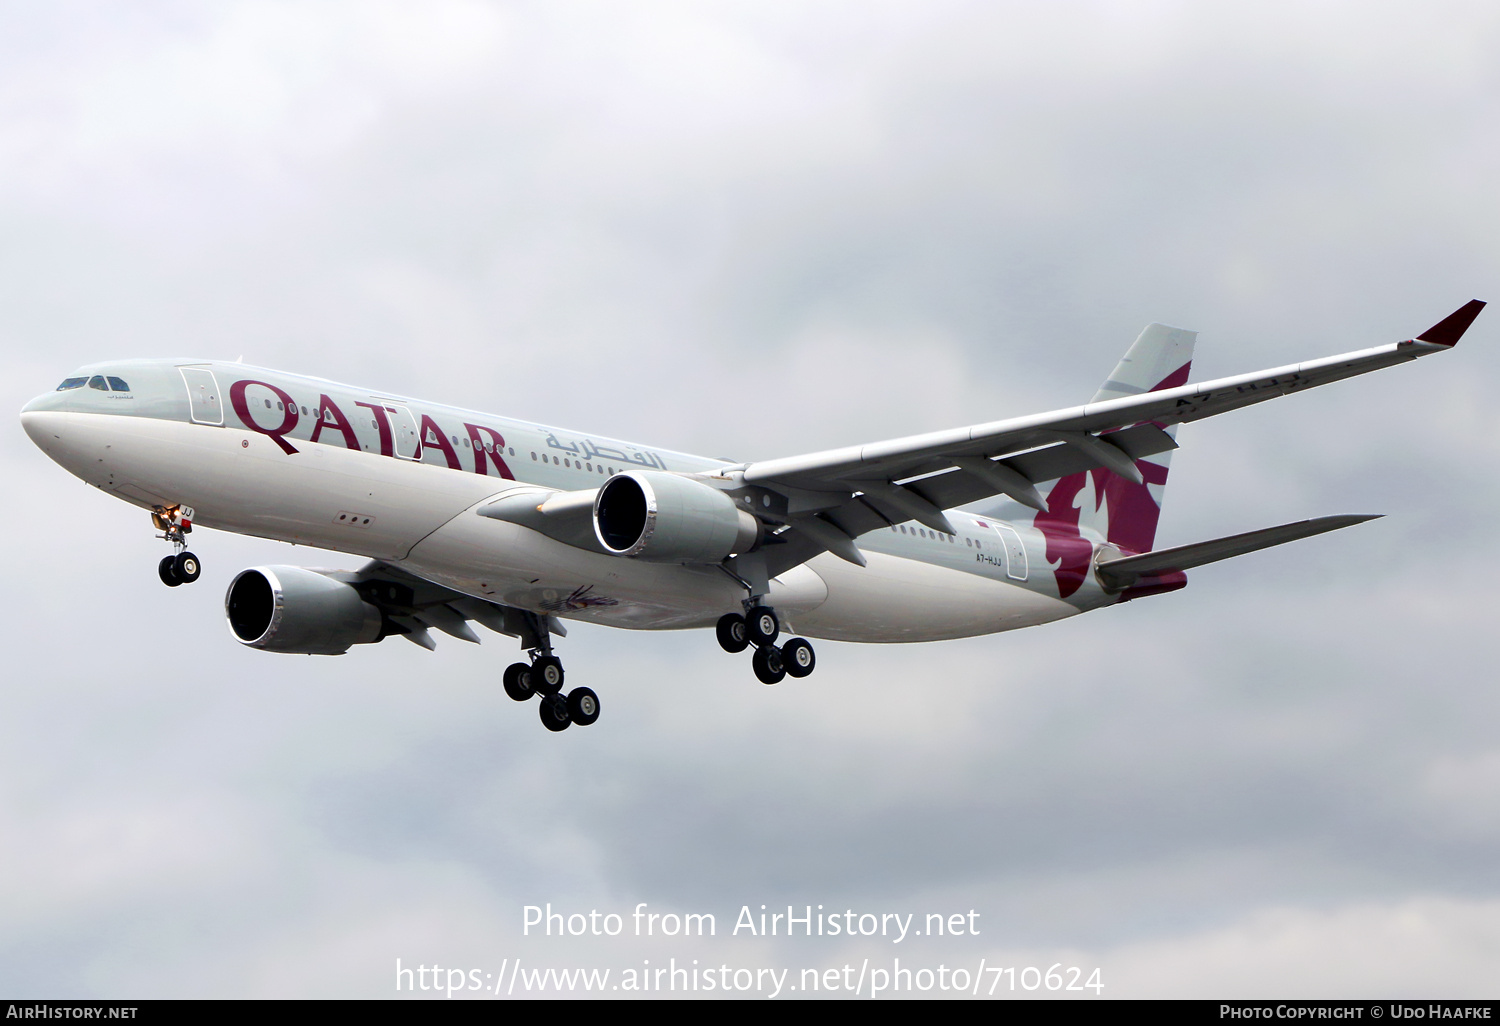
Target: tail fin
x,y
1108,506
1160,358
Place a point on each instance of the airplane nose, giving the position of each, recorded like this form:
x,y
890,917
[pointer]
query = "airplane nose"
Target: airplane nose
x,y
71,442
41,427
41,402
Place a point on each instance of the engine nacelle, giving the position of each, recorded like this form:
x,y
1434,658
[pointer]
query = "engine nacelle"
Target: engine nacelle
x,y
665,518
292,609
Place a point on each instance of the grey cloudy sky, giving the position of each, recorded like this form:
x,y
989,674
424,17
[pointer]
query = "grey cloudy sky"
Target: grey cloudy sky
x,y
753,230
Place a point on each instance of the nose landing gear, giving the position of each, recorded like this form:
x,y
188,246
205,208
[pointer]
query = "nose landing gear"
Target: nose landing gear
x,y
174,523
543,677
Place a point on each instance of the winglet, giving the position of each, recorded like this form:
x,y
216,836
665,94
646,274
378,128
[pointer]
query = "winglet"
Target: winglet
x,y
1450,329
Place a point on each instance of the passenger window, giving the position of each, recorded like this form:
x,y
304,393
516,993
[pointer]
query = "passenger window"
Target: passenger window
x,y
533,457
567,464
97,381
72,383
118,384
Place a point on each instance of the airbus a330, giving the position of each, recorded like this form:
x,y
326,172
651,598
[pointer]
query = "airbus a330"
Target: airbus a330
x,y
471,518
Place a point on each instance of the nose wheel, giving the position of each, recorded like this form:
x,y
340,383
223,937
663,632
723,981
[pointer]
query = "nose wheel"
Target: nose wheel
x,y
174,523
759,626
182,568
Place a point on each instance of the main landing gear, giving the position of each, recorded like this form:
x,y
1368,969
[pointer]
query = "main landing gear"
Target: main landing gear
x,y
543,677
174,522
759,627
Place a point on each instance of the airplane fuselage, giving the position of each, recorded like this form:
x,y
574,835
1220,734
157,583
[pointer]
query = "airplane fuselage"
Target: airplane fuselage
x,y
313,462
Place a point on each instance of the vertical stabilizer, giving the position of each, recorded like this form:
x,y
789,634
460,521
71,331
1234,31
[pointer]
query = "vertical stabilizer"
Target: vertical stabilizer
x,y
1100,504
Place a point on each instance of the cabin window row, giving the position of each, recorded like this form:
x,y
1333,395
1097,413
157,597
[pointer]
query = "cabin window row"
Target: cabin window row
x,y
922,532
572,464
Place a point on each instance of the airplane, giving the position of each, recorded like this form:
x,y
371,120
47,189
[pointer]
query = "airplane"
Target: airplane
x,y
518,527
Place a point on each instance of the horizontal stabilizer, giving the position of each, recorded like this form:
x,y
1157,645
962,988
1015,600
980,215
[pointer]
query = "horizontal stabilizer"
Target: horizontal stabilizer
x,y
1123,572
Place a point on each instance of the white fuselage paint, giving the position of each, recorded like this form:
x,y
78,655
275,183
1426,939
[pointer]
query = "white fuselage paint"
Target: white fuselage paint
x,y
420,514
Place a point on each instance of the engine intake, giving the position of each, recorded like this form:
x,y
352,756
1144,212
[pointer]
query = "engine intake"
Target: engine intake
x,y
292,609
665,518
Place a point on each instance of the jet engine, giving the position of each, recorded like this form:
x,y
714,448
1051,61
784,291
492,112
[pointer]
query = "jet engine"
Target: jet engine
x,y
665,518
292,609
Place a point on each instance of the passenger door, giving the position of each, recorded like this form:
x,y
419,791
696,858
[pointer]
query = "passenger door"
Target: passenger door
x,y
1015,552
204,401
404,425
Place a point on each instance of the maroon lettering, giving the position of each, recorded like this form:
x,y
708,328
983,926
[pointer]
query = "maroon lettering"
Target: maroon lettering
x,y
242,408
431,430
383,424
341,422
480,467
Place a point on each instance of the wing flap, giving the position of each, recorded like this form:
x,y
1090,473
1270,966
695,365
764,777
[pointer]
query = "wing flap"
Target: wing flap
x,y
948,487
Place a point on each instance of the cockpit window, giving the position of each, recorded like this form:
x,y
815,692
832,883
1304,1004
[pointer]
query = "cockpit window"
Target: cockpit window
x,y
72,383
118,384
97,381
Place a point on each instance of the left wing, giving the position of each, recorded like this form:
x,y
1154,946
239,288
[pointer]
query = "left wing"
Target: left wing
x,y
409,605
828,499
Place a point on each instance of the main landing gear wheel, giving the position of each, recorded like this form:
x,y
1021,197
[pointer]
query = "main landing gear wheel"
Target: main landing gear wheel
x,y
554,711
187,567
733,632
767,665
547,675
517,681
797,657
762,625
167,571
583,706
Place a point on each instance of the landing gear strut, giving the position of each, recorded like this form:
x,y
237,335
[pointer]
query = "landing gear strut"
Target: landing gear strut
x,y
174,523
543,677
759,626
